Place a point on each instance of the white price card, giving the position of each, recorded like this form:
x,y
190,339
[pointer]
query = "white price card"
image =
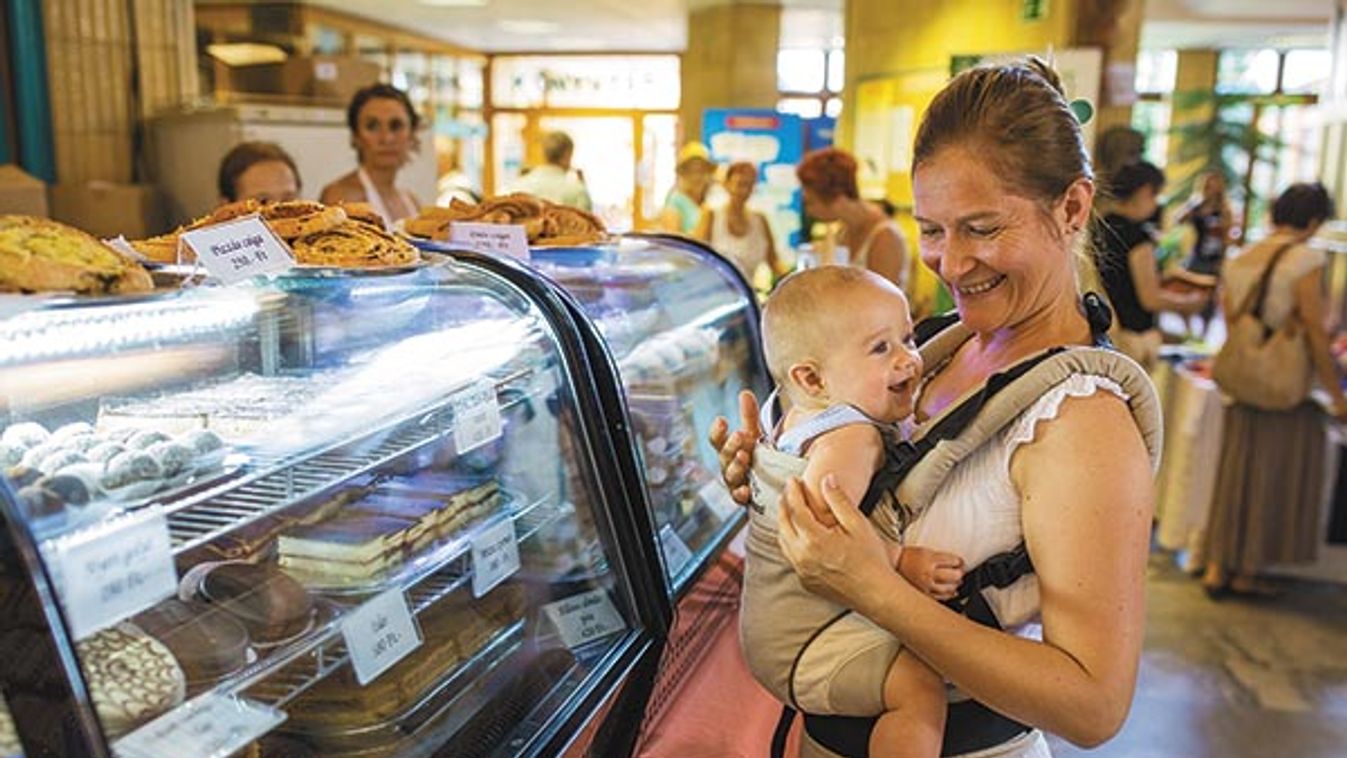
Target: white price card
x,y
114,570
211,726
239,249
584,618
476,415
717,497
676,552
380,633
509,240
495,556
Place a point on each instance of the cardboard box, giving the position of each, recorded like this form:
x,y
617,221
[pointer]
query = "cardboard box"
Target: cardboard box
x,y
104,209
22,193
327,77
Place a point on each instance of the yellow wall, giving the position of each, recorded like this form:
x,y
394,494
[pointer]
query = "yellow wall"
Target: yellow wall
x,y
898,58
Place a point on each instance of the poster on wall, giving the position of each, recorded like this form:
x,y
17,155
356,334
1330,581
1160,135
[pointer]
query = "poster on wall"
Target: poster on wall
x,y
774,142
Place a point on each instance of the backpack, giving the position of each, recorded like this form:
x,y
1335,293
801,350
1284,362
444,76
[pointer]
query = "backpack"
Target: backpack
x,y
915,469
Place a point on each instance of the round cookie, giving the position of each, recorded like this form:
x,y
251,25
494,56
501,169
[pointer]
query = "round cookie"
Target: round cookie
x,y
132,677
27,434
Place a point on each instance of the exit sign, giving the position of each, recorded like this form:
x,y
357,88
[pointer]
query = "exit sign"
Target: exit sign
x,y
1034,10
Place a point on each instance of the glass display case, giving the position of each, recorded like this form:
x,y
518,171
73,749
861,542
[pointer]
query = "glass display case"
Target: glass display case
x,y
333,513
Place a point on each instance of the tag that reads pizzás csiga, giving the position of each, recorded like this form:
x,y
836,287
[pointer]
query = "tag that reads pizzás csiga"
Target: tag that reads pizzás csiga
x,y
239,249
507,240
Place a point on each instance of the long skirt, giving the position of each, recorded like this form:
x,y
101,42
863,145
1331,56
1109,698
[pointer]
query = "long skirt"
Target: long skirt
x,y
1267,502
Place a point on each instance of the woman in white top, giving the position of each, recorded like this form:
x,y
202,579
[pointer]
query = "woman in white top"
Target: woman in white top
x,y
383,132
828,178
1001,221
740,234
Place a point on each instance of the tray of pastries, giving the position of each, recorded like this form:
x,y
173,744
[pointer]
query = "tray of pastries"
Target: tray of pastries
x,y
41,255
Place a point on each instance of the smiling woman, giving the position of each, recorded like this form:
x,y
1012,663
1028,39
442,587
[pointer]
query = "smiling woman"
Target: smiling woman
x,y
1003,188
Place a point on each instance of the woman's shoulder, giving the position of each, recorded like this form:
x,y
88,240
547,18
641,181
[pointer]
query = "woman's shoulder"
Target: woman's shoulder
x,y
345,188
1081,397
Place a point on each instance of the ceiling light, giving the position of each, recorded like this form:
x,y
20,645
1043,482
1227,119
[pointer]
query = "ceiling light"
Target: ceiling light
x,y
455,3
528,27
245,53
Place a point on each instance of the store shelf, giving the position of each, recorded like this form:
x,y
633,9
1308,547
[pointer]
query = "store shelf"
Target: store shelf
x,y
274,485
278,679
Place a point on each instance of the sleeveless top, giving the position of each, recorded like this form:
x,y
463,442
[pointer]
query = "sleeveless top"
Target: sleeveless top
x,y
795,440
1241,273
861,256
976,510
689,211
746,252
376,200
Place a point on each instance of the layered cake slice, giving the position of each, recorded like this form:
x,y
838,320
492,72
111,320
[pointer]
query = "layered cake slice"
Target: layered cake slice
x,y
353,547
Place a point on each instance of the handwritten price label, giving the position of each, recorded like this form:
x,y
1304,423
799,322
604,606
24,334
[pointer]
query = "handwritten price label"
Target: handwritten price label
x,y
507,240
380,633
239,249
676,552
584,618
108,574
476,416
495,556
211,726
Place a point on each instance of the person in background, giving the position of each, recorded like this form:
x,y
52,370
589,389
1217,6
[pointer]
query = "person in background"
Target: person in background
x,y
1003,190
683,206
1266,504
554,180
1125,257
741,235
1213,221
383,132
260,171
828,177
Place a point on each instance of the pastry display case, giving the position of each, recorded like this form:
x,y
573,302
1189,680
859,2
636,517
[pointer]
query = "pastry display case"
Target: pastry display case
x,y
340,513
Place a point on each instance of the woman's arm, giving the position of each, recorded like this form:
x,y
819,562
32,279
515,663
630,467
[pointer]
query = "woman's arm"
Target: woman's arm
x,y
1310,310
1153,297
888,257
702,230
774,261
1089,545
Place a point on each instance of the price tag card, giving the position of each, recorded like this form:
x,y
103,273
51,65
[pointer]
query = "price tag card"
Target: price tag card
x,y
211,726
506,240
717,497
380,633
476,416
114,570
239,249
584,618
676,552
495,556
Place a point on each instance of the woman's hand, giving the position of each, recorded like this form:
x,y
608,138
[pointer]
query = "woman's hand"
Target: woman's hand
x,y
736,450
848,563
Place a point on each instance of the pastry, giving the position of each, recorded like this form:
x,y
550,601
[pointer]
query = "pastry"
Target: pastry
x,y
272,605
70,488
39,502
544,222
144,440
130,467
59,460
38,453
39,255
10,455
352,547
354,245
173,458
22,476
68,431
203,441
25,435
363,213
132,677
104,452
208,643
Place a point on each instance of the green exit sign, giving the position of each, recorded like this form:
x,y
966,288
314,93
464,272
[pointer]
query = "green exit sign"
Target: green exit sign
x,y
1034,10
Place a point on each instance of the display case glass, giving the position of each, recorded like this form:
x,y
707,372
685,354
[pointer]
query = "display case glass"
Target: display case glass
x,y
682,327
335,513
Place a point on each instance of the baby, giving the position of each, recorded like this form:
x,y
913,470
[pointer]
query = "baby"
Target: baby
x,y
839,346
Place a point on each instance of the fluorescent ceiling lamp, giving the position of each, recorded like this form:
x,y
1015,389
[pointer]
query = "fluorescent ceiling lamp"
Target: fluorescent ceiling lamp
x,y
521,26
455,3
245,53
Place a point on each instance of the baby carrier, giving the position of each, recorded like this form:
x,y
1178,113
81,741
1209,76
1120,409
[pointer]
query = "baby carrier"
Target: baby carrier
x,y
915,470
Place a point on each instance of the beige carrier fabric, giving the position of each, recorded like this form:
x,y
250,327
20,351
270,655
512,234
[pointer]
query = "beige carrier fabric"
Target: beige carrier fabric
x,y
1028,745
842,656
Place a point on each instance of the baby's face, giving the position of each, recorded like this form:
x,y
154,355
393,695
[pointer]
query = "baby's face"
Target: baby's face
x,y
873,363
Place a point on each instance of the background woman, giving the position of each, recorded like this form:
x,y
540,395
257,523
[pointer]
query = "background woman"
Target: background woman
x,y
1003,189
683,206
1265,507
740,234
1125,257
828,177
1212,220
383,132
260,171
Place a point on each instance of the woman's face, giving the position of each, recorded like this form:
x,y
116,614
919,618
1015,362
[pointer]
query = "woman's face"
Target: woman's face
x,y
818,208
996,251
383,133
267,182
1213,187
740,184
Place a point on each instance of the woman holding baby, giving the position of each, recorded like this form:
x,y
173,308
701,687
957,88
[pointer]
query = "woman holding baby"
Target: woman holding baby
x,y
1003,191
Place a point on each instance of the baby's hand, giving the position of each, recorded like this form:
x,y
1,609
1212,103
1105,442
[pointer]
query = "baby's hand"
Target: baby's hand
x,y
936,573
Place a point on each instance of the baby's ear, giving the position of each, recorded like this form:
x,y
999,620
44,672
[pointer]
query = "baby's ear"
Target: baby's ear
x,y
807,377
